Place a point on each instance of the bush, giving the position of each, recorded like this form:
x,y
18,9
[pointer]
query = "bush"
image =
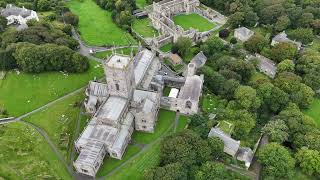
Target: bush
x,y
49,57
71,18
233,40
224,33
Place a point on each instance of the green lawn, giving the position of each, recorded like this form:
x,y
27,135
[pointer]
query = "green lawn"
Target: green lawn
x,y
125,51
110,163
135,169
194,21
183,121
59,122
141,3
166,91
209,102
96,25
24,154
165,119
226,127
176,67
22,93
144,28
166,48
314,111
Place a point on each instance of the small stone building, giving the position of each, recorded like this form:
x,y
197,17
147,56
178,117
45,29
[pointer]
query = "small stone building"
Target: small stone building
x,y
243,34
17,15
282,37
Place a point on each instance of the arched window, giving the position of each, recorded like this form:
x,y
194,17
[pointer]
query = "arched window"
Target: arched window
x,y
188,104
117,87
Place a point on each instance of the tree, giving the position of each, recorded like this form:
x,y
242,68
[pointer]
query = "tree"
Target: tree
x,y
43,5
174,171
244,123
212,45
246,98
71,18
309,161
304,35
256,43
282,51
276,131
282,23
224,33
213,171
316,26
3,23
183,44
276,161
236,19
216,146
186,148
7,61
285,66
305,20
251,19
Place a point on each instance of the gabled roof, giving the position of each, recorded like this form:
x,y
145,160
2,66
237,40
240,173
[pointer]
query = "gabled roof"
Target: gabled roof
x,y
192,88
199,60
244,31
16,11
231,146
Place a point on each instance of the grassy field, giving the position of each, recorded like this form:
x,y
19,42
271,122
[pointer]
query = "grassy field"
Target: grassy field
x,y
144,28
125,51
24,92
25,155
110,163
59,122
165,119
194,21
141,3
96,25
166,48
183,121
314,111
135,169
209,102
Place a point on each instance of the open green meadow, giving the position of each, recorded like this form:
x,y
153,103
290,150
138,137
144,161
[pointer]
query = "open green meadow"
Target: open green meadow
x,y
135,168
96,26
314,111
194,21
144,28
22,93
59,122
24,154
110,163
141,3
165,120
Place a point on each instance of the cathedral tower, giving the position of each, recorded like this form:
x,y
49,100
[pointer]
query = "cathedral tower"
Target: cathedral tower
x,y
119,72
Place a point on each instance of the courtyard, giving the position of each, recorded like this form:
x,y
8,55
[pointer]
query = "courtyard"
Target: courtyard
x,y
195,21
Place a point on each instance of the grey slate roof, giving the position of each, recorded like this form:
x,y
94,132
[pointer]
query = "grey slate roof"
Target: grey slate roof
x,y
16,11
143,61
192,88
231,146
245,154
98,89
199,60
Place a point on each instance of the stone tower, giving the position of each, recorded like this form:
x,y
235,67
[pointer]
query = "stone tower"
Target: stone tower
x,y
119,73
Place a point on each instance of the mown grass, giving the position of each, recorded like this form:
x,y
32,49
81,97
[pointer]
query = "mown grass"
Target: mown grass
x,y
144,28
314,111
136,168
141,3
165,120
183,121
209,102
26,155
195,21
166,48
96,26
22,93
110,163
59,122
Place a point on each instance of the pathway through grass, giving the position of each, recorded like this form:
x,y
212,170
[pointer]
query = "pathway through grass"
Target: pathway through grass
x,y
26,155
22,93
96,26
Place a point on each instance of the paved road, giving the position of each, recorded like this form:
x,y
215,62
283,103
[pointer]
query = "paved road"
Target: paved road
x,y
85,49
7,120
